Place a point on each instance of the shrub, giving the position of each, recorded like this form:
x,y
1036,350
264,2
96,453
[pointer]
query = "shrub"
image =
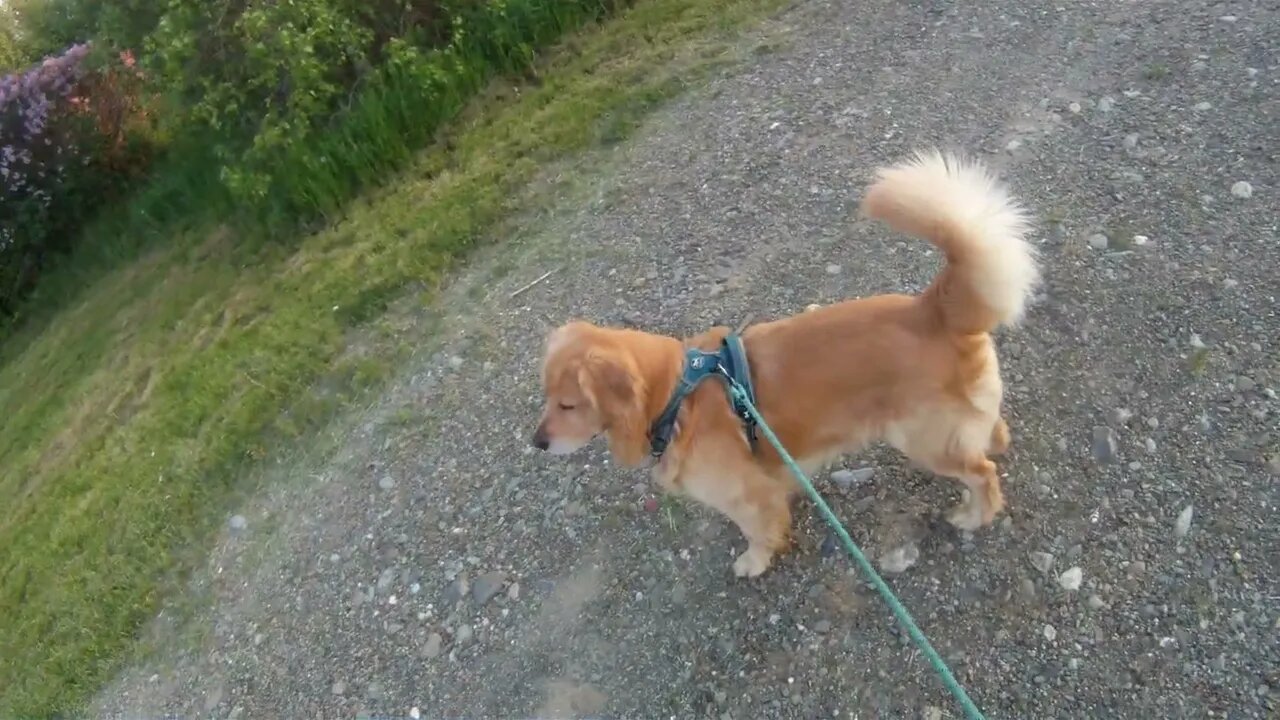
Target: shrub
x,y
69,143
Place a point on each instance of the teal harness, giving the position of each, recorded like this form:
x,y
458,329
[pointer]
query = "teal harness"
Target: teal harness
x,y
729,363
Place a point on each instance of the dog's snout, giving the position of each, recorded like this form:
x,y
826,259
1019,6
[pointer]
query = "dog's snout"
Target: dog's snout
x,y
540,440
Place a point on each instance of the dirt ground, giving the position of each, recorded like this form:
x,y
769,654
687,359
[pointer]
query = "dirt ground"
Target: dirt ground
x,y
428,563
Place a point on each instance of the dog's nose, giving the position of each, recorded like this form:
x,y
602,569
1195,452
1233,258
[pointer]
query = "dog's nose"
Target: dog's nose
x,y
540,440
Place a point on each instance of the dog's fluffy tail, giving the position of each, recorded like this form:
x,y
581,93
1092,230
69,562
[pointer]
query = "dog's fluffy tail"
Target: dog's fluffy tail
x,y
959,206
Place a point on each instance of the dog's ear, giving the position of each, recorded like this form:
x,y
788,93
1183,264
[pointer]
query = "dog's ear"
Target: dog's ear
x,y
612,382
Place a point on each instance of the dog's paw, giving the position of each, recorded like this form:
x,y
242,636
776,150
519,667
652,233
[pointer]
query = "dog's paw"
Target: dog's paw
x,y
751,563
967,515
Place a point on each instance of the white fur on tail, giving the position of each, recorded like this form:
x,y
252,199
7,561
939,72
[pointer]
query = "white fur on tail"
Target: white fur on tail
x,y
959,205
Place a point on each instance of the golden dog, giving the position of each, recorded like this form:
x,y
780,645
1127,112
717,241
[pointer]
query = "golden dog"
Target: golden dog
x,y
918,372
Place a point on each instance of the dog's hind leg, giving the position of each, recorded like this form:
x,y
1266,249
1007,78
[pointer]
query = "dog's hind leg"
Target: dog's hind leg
x,y
1000,438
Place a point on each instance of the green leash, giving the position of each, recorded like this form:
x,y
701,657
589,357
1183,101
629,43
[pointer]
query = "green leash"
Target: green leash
x,y
971,710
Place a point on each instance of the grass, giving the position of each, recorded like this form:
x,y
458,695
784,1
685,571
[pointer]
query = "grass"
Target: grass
x,y
132,417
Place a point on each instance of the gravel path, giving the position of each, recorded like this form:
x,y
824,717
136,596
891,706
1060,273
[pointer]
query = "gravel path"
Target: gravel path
x,y
434,566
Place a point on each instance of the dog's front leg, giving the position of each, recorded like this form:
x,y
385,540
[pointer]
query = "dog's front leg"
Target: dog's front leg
x,y
755,502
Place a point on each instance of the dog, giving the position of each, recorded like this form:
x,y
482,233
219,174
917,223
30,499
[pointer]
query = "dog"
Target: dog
x,y
918,372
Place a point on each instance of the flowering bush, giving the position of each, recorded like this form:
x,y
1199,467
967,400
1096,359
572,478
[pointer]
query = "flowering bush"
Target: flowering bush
x,y
67,139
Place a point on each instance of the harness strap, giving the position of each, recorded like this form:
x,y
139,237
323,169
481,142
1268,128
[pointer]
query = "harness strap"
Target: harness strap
x,y
730,364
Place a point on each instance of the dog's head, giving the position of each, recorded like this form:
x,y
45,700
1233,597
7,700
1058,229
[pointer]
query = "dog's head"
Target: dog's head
x,y
592,386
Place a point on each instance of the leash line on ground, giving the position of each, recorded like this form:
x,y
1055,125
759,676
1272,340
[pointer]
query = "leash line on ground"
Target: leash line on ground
x,y
900,612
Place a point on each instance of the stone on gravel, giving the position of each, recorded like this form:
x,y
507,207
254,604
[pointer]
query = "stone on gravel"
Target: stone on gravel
x,y
1041,561
385,579
834,269
338,688
900,558
1106,103
487,585
1050,633
238,522
386,482
1104,444
822,627
1096,603
1202,106
435,642
849,479
1098,241
513,592
464,634
932,713
455,591
1182,525
1242,190
1071,579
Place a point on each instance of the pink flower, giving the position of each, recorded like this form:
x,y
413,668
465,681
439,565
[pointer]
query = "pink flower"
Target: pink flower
x,y
126,57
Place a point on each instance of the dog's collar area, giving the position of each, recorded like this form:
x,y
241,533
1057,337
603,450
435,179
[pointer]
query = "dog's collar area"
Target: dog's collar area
x,y
730,364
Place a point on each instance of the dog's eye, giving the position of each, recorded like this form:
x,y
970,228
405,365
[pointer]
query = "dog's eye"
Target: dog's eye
x,y
566,406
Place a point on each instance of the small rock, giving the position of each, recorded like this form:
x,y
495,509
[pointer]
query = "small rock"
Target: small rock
x,y
415,713
385,579
1202,106
513,592
932,713
455,362
238,522
811,307
1050,633
338,688
1140,240
386,482
464,634
830,546
1245,384
1098,241
1104,444
1070,580
848,479
1182,525
1074,108
1041,561
374,691
1095,603
1131,141
455,591
487,585
1242,190
434,644
822,627
1122,415
900,558
1150,445
650,504
1106,103
834,269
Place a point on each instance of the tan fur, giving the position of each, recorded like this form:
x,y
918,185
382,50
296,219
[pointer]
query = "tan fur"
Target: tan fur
x,y
917,372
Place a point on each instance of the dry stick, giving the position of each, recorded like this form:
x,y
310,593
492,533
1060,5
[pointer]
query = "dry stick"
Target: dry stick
x,y
539,279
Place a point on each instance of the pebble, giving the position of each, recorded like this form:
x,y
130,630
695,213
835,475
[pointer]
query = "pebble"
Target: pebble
x,y
455,362
1041,561
434,644
811,307
513,592
847,479
455,591
900,558
1242,190
1050,633
822,627
238,522
1182,525
464,634
386,482
1131,141
1150,445
1203,106
1098,241
487,585
415,713
834,269
1245,384
385,579
1074,108
932,713
1106,103
338,688
1071,579
1104,444
1140,240
1095,603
